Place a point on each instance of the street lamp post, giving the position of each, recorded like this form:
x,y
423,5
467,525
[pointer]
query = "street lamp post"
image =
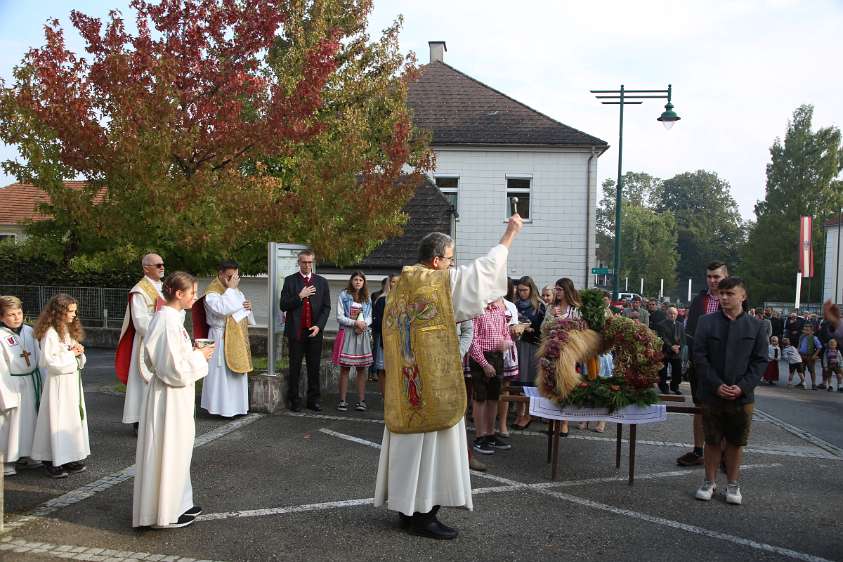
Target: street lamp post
x,y
668,117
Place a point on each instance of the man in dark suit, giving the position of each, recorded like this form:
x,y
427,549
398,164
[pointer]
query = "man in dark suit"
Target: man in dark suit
x,y
672,334
306,298
730,355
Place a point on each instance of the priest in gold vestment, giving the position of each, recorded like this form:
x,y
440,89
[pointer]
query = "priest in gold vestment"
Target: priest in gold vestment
x,y
424,457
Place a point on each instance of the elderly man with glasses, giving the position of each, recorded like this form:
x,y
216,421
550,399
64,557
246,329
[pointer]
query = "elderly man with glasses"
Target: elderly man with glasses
x,y
145,299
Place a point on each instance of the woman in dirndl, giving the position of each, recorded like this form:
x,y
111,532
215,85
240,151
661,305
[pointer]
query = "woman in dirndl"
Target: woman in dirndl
x,y
353,347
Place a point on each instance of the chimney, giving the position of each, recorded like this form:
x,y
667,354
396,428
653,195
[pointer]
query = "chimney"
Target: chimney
x,y
437,51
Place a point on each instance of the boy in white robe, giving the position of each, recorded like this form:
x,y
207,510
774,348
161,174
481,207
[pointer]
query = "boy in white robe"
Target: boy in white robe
x,y
20,383
163,494
225,391
61,432
419,472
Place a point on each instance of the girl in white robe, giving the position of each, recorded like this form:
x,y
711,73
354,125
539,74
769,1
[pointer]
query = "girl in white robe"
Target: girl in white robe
x,y
163,495
20,383
61,432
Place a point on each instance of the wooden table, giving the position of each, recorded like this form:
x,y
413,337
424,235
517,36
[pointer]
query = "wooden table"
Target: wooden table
x,y
554,430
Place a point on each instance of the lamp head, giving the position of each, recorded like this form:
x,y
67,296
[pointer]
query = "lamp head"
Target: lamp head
x,y
668,116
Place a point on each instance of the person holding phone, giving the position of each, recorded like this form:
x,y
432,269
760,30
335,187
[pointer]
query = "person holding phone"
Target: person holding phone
x,y
306,299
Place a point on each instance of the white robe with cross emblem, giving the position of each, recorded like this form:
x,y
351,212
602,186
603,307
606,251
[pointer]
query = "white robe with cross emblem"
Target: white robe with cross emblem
x,y
18,356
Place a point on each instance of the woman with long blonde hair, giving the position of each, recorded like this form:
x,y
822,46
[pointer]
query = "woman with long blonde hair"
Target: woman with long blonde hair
x,y
61,432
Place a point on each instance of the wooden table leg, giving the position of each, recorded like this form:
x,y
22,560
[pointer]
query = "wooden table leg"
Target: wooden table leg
x,y
618,446
555,467
550,440
632,434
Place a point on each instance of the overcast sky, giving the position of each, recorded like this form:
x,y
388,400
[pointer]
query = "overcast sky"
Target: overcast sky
x,y
738,68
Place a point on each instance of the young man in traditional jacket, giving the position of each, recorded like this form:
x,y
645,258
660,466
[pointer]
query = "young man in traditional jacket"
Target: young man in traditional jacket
x,y
227,316
20,386
424,457
144,299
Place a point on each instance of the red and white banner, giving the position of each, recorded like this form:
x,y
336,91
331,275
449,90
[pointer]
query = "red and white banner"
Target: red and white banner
x,y
806,248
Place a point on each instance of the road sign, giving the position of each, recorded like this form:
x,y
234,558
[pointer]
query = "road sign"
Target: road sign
x,y
600,271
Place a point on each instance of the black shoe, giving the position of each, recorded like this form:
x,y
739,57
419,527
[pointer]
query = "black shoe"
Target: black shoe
x,y
74,467
55,471
428,526
404,520
183,521
482,446
193,511
315,407
677,392
498,443
135,428
663,389
295,407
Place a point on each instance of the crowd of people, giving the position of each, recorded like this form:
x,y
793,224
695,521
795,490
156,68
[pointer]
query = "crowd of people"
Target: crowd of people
x,y
444,343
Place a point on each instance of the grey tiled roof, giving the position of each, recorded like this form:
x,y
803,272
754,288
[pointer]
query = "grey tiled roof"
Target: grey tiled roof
x,y
458,109
428,212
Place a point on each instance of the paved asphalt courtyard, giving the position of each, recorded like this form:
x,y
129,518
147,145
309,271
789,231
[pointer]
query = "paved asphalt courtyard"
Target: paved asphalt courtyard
x,y
300,486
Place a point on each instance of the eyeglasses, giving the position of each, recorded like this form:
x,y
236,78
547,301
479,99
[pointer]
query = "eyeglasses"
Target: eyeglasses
x,y
450,259
158,265
306,262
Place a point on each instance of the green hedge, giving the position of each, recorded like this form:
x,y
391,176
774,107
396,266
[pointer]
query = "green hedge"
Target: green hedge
x,y
19,266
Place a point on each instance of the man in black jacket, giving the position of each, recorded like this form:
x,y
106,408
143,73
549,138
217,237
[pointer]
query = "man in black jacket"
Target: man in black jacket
x,y
706,302
306,298
672,334
730,355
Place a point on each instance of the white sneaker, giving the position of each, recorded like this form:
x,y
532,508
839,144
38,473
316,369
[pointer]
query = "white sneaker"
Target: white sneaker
x,y
9,469
733,494
705,491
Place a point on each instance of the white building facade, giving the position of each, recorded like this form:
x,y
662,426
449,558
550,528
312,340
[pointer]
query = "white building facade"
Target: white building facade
x,y
490,148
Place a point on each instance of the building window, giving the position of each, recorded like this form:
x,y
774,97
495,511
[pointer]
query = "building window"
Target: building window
x,y
449,185
518,187
6,236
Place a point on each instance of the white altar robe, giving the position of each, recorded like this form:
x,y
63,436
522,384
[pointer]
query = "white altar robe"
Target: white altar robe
x,y
17,423
224,393
418,471
61,432
162,489
142,311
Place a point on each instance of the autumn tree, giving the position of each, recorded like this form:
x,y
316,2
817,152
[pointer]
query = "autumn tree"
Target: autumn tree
x,y
215,127
802,180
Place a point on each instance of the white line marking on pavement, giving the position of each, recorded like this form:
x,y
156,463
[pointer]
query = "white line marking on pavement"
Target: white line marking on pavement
x,y
350,438
282,510
801,433
83,552
541,488
115,478
801,453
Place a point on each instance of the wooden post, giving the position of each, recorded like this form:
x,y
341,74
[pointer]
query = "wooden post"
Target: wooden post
x,y
555,466
618,446
632,434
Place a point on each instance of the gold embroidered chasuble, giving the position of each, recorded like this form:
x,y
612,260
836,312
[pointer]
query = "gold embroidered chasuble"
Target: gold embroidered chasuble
x,y
424,388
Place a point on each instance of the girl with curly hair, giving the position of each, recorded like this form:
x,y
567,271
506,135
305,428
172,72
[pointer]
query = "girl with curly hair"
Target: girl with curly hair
x,y
61,432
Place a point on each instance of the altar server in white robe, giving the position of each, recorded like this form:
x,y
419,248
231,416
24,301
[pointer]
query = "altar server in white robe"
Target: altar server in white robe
x,y
144,299
20,383
163,495
419,472
225,392
61,432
